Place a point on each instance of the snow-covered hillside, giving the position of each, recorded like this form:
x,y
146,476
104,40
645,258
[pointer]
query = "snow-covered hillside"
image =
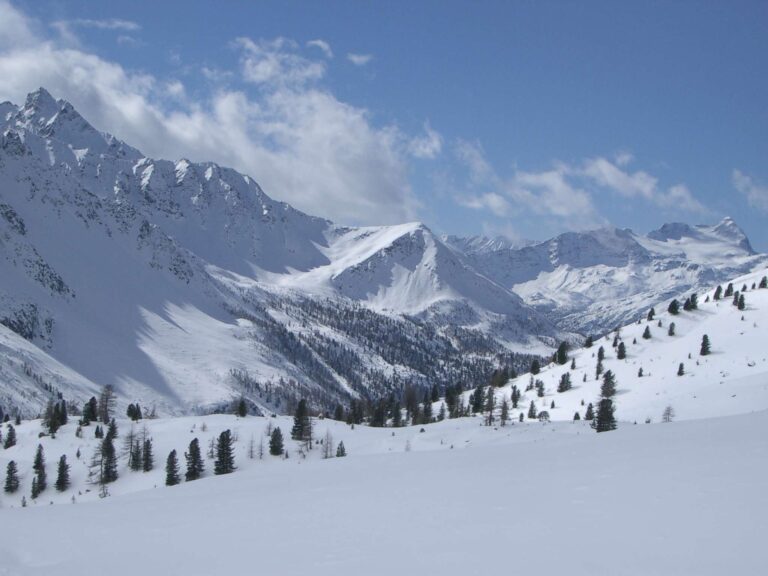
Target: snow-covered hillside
x,y
184,285
731,379
591,282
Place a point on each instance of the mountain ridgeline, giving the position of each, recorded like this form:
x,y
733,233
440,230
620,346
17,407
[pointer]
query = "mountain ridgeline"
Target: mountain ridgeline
x,y
185,286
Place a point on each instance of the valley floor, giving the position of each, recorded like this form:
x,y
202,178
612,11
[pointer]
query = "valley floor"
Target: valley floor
x,y
679,498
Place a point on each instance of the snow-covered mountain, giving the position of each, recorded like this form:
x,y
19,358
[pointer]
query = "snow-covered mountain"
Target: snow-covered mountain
x,y
591,282
183,284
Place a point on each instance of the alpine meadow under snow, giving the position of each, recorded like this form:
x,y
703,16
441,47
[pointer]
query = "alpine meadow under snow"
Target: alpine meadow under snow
x,y
197,379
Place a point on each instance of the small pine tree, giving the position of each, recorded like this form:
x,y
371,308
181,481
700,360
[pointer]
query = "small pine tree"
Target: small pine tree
x,y
561,356
504,417
621,354
763,282
535,366
741,304
651,314
225,457
600,354
532,414
681,369
276,442
674,307
598,369
573,364
565,383
242,408
729,290
608,388
341,451
39,467
147,457
640,372
108,461
605,421
705,347
668,414
671,330
718,293
576,416
647,333
172,469
11,477
195,464
588,342
62,475
10,437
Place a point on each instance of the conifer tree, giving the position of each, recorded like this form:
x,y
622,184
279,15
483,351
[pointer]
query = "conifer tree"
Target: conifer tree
x,y
90,412
341,451
477,399
490,405
608,388
106,405
11,477
576,416
601,354
640,372
763,282
225,457
338,413
741,304
39,468
532,414
301,422
276,442
35,488
172,469
718,293
681,369
705,347
195,465
735,300
729,290
668,414
588,342
590,413
535,366
671,330
565,382
647,333
504,416
573,364
674,307
651,314
598,369
147,457
62,474
108,461
10,437
562,353
242,408
605,421
112,429
621,354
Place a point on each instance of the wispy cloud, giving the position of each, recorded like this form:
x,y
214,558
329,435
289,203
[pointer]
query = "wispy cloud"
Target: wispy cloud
x,y
757,194
427,146
323,46
359,59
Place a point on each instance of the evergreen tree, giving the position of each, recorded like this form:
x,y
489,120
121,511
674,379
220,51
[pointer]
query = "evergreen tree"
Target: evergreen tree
x,y
147,458
338,413
301,423
763,282
668,414
172,469
107,402
98,432
621,354
112,429
729,290
573,364
35,488
608,388
108,461
504,417
741,304
11,477
606,421
674,307
532,414
562,353
576,416
598,369
671,331
565,382
242,408
276,442
640,372
477,400
718,293
647,333
341,451
62,475
651,314
10,437
515,396
436,392
90,411
705,348
588,342
225,457
590,413
600,354
694,301
39,468
681,369
397,415
535,366
195,465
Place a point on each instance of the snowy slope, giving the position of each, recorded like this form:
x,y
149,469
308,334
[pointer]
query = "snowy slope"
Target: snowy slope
x,y
733,379
685,498
593,281
162,278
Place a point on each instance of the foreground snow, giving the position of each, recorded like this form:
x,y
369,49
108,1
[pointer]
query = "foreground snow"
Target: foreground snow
x,y
680,498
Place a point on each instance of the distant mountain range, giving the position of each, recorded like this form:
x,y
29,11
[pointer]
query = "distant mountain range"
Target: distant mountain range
x,y
184,285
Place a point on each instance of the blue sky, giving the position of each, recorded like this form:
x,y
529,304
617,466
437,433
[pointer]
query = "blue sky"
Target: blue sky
x,y
517,118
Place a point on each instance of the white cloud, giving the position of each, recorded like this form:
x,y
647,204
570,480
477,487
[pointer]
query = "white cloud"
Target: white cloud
x,y
359,59
489,201
550,193
608,175
427,146
301,143
323,46
107,24
680,198
757,195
